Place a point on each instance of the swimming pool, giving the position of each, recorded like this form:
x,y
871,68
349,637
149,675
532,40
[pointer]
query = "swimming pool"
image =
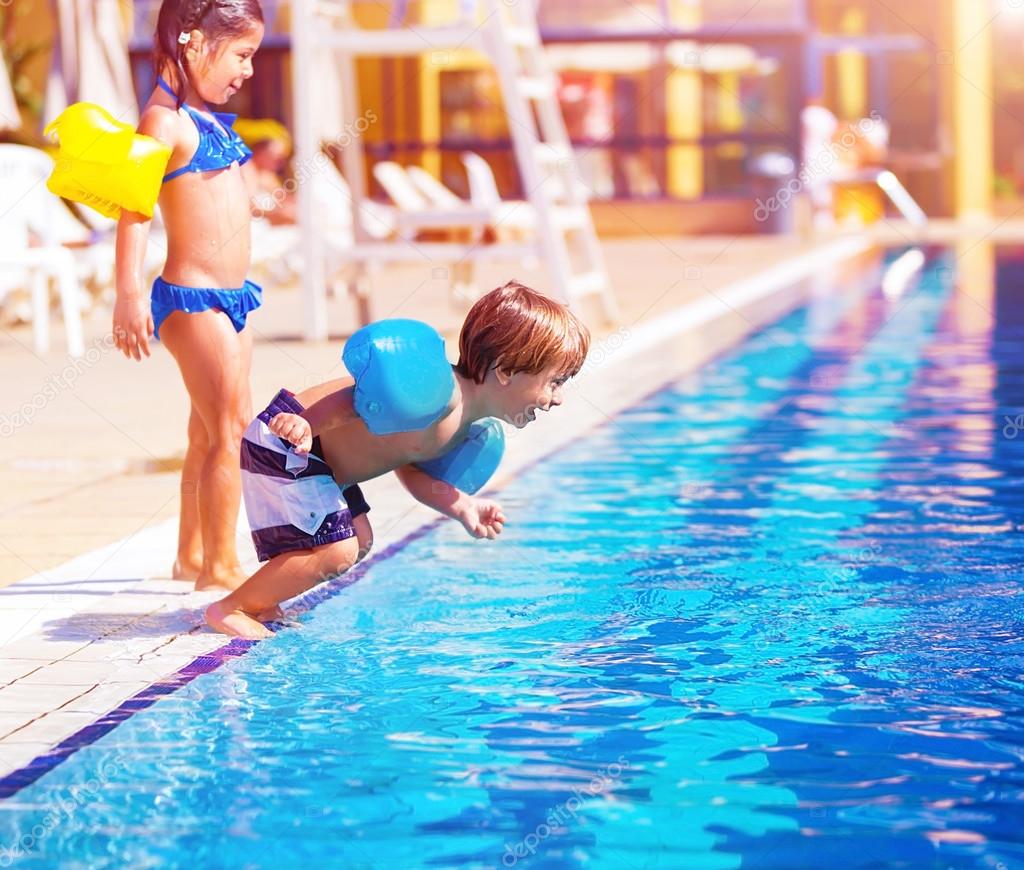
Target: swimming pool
x,y
768,617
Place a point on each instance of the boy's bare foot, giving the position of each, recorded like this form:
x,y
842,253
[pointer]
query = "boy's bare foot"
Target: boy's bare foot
x,y
229,578
186,569
235,623
270,614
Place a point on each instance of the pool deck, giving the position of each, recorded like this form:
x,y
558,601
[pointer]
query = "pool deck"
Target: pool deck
x,y
88,492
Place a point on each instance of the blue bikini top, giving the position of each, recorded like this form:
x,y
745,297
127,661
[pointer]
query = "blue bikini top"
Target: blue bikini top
x,y
219,145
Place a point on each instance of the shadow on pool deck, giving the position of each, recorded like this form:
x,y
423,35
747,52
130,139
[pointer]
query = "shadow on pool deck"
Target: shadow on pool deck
x,y
111,627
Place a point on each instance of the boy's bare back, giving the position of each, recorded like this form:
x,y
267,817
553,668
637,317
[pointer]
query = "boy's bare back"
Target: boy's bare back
x,y
355,454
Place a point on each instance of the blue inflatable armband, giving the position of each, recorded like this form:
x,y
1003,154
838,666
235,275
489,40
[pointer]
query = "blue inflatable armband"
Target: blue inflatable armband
x,y
404,381
473,462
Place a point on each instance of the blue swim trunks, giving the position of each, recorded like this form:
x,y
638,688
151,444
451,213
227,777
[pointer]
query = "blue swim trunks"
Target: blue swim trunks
x,y
236,304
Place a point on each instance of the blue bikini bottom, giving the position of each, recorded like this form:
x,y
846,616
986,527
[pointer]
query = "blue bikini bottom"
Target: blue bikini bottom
x,y
236,304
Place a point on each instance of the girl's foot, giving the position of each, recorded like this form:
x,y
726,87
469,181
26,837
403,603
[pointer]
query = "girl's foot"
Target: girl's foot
x,y
235,623
186,569
229,578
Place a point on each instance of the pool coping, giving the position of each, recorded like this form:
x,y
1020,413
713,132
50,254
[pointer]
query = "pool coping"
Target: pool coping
x,y
620,385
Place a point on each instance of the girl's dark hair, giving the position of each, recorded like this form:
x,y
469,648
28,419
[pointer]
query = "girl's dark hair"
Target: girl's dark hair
x,y
217,19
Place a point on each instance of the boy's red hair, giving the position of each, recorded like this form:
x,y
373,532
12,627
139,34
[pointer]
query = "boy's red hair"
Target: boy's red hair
x,y
518,329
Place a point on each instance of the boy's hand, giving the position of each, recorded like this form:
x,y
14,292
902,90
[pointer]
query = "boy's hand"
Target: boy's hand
x,y
294,429
482,518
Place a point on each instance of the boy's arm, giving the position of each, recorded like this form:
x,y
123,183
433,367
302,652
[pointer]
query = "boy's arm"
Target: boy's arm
x,y
481,517
436,494
330,412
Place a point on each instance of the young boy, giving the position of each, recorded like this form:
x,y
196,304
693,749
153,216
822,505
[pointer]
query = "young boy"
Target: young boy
x,y
516,350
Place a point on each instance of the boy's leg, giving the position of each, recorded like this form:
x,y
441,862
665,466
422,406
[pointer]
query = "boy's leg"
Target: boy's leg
x,y
283,577
364,535
189,561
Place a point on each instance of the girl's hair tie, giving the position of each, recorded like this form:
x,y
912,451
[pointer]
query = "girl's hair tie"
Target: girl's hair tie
x,y
184,37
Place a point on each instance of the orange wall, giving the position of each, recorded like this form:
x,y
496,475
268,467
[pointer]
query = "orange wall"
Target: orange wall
x,y
31,22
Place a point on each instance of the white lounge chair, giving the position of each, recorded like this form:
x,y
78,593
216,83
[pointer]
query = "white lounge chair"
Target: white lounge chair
x,y
104,231
91,243
425,204
334,195
514,215
435,191
277,250
28,209
417,213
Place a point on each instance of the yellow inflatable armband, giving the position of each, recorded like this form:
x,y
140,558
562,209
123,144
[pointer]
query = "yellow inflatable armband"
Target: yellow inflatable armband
x,y
105,164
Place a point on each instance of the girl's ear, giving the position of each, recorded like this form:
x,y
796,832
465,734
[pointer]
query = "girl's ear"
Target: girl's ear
x,y
503,377
196,46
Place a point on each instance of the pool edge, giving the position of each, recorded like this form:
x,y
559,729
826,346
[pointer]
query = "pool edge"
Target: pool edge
x,y
646,337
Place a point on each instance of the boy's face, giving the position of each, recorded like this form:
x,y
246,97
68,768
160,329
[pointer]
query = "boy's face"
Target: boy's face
x,y
521,395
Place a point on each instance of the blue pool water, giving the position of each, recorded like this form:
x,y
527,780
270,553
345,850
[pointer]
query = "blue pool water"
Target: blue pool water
x,y
770,617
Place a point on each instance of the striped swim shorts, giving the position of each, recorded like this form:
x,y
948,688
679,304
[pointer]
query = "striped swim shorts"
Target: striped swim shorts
x,y
291,499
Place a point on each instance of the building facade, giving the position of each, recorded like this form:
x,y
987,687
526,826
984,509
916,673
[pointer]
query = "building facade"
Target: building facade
x,y
678,101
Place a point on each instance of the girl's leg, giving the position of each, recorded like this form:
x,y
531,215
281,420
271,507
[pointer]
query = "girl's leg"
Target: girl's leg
x,y
189,563
214,363
283,577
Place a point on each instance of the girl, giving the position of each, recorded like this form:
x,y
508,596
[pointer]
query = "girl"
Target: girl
x,y
198,305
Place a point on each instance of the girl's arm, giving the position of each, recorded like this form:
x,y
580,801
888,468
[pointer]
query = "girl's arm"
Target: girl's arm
x,y
133,323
